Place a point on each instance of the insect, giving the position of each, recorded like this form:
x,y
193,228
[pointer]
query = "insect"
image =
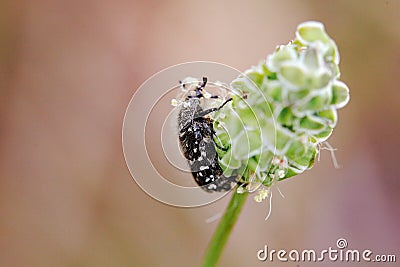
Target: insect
x,y
196,134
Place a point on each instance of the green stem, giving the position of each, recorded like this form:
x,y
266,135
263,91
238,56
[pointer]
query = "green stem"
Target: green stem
x,y
224,229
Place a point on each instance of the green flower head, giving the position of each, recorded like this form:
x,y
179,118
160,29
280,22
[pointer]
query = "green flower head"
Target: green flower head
x,y
282,109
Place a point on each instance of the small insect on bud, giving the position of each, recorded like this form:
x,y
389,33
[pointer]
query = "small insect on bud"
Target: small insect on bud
x,y
196,137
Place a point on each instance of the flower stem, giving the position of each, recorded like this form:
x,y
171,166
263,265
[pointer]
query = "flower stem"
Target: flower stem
x,y
224,229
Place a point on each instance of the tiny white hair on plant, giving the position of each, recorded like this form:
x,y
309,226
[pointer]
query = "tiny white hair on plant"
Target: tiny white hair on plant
x,y
270,207
326,146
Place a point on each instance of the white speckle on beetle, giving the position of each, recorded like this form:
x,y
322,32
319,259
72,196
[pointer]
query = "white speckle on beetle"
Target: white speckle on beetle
x,y
212,186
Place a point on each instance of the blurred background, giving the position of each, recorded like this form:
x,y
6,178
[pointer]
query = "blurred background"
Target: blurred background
x,y
67,72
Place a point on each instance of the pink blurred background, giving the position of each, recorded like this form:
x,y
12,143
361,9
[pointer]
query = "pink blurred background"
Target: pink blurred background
x,y
67,72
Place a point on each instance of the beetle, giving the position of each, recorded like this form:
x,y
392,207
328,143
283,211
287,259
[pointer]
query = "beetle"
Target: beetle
x,y
196,134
